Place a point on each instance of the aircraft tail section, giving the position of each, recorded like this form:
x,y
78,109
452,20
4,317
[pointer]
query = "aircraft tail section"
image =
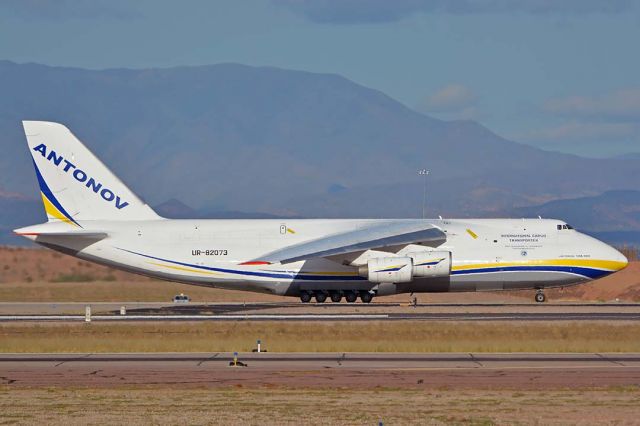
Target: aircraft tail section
x,y
75,185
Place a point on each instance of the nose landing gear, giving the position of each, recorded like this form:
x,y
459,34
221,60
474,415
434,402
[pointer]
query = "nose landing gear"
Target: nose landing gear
x,y
540,297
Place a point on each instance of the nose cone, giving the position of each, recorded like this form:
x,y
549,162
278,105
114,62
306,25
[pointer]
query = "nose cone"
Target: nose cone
x,y
622,259
618,261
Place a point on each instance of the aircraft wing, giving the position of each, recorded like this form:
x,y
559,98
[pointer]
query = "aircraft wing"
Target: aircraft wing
x,y
376,237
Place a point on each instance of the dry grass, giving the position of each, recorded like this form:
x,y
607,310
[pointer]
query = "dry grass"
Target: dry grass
x,y
405,336
322,406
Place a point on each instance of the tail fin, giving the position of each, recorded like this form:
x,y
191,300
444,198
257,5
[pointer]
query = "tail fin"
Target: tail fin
x,y
74,184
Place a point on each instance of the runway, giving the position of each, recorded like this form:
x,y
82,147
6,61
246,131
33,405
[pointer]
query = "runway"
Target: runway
x,y
331,317
74,312
454,370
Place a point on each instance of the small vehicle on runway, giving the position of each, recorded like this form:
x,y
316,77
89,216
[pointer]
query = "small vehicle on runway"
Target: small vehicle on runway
x,y
181,298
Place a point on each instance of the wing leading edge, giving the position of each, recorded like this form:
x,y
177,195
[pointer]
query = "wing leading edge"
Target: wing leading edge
x,y
375,237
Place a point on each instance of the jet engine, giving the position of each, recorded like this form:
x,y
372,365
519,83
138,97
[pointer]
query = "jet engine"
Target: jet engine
x,y
388,270
431,264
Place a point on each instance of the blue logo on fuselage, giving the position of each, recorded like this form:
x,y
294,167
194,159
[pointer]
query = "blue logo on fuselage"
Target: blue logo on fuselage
x,y
81,176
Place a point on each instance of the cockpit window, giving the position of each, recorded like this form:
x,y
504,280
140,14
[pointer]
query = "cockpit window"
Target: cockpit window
x,y
559,227
569,226
565,226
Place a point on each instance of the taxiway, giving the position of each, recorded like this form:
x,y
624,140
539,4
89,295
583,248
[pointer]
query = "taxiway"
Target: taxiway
x,y
451,370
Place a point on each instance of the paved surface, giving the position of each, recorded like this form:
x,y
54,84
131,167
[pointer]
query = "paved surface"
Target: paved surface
x,y
317,312
451,370
588,316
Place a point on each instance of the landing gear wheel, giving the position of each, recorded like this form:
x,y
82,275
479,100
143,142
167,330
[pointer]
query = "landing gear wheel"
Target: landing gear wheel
x,y
336,296
305,297
366,297
351,296
321,297
540,297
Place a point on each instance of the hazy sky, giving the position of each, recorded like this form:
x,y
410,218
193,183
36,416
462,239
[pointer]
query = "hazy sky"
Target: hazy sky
x,y
559,74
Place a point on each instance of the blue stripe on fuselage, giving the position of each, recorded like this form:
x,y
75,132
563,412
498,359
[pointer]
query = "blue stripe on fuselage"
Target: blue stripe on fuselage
x,y
586,272
255,273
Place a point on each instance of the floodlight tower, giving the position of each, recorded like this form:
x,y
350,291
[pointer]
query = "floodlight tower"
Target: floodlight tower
x,y
425,173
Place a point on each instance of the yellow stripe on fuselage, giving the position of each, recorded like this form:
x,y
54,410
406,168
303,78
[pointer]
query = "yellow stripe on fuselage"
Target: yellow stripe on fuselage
x,y
185,269
610,265
317,273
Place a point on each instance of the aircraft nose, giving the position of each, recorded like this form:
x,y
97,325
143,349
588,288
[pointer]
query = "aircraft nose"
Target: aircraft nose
x,y
618,260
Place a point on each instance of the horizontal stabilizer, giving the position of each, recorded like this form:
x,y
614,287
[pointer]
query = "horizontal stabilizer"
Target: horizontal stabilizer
x,y
42,231
96,235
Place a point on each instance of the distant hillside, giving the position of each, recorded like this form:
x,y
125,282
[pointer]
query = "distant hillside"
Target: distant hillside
x,y
175,209
231,138
618,238
630,156
610,211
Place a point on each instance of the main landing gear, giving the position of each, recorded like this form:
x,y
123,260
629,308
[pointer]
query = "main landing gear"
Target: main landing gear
x,y
305,297
336,296
540,297
350,296
321,297
366,297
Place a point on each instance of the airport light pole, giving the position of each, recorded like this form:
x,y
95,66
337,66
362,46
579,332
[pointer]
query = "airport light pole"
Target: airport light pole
x,y
425,173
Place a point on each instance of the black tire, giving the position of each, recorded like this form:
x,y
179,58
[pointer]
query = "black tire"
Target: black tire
x,y
305,297
540,297
321,297
366,297
336,296
351,296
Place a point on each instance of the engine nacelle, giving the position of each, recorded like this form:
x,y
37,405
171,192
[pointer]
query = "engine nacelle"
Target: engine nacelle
x,y
389,270
431,264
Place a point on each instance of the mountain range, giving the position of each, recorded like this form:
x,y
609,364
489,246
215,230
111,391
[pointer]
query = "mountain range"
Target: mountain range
x,y
234,140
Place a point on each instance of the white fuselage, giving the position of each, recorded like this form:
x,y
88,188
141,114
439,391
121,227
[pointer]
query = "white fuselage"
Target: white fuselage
x,y
93,215
487,254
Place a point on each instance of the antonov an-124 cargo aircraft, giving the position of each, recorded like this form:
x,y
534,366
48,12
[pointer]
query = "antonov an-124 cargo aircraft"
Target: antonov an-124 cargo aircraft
x,y
92,215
